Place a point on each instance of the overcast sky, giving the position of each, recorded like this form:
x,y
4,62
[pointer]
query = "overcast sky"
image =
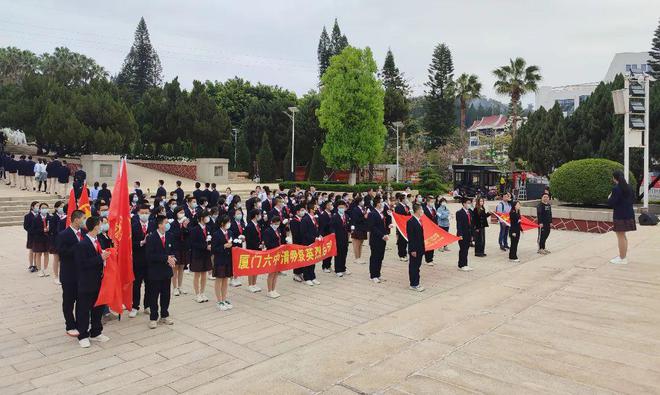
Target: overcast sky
x,y
275,41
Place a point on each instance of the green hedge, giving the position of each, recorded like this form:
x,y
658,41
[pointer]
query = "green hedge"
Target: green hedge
x,y
585,181
340,187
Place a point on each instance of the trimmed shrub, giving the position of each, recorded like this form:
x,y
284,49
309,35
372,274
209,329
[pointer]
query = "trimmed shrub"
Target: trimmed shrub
x,y
585,181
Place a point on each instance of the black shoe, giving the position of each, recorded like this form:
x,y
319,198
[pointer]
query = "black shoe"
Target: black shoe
x,y
502,248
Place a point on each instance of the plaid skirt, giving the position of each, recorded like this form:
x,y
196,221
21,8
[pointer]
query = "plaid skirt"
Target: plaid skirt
x,y
40,245
183,257
359,235
624,225
222,271
198,264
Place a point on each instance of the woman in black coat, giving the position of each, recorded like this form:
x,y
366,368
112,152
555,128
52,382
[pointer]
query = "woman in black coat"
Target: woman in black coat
x,y
621,200
359,227
480,224
514,231
200,255
221,245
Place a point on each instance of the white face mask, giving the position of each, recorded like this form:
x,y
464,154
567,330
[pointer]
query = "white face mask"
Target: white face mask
x,y
206,220
227,225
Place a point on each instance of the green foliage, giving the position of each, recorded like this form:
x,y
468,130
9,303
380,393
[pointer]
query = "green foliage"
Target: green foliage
x,y
585,181
654,54
243,161
309,134
330,46
341,187
316,167
142,69
430,182
265,161
16,64
515,80
439,103
352,110
468,87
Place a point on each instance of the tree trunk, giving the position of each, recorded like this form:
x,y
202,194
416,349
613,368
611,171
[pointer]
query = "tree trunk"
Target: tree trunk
x,y
352,177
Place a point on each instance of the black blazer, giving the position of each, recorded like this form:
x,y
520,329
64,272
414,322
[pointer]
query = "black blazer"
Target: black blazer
x,y
66,243
179,196
90,266
271,238
282,228
415,236
431,213
252,236
198,242
294,225
157,254
37,229
237,228
514,219
137,236
377,228
464,225
324,223
308,230
214,197
358,219
27,222
221,254
105,195
161,192
402,209
481,218
340,228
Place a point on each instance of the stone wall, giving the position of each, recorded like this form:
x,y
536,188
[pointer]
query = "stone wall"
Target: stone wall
x,y
579,225
181,169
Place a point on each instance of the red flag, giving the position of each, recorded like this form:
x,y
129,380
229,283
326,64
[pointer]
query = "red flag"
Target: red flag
x,y
83,202
117,285
434,236
525,223
71,207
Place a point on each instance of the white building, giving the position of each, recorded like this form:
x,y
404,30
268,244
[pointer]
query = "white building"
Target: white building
x,y
570,97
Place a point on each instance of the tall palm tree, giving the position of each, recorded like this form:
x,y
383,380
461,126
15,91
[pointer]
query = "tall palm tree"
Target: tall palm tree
x,y
515,80
468,87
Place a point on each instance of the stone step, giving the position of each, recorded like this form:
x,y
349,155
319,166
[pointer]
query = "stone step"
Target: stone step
x,y
11,223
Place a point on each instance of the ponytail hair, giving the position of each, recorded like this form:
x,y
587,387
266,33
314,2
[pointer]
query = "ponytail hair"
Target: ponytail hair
x,y
621,181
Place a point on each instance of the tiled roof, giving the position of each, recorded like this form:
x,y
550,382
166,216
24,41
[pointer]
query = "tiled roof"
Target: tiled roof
x,y
489,122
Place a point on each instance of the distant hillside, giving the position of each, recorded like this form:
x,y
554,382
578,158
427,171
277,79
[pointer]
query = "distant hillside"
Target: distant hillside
x,y
477,109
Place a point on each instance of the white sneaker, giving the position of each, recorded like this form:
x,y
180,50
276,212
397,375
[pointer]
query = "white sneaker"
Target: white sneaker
x,y
46,274
621,261
211,277
166,321
254,288
84,343
273,294
310,283
340,274
298,278
153,324
234,282
199,298
204,298
187,271
221,306
73,332
403,258
376,280
183,291
57,282
418,288
430,263
326,270
176,292
228,304
133,313
615,260
146,311
41,273
465,268
316,282
514,260
347,272
100,338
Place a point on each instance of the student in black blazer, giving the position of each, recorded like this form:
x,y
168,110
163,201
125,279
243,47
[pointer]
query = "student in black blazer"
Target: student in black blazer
x,y
464,226
377,239
138,191
56,224
309,232
90,260
179,193
67,240
161,259
324,229
514,231
272,240
416,249
27,226
221,245
161,192
139,232
200,254
401,208
253,241
279,211
340,226
294,225
430,212
39,229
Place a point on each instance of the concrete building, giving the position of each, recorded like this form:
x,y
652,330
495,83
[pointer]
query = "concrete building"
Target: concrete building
x,y
570,97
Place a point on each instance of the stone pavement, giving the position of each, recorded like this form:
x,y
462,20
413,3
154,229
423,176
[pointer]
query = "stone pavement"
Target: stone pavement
x,y
564,323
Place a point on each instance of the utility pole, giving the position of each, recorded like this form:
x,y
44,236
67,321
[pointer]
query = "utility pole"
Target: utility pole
x,y
234,133
292,116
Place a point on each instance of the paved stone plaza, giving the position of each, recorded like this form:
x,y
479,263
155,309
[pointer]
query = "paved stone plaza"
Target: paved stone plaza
x,y
568,322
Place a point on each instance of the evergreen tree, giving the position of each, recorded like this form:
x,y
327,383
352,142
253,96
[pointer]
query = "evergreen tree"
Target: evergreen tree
x,y
265,160
308,131
439,117
316,166
391,76
142,69
323,53
243,160
396,102
338,41
654,53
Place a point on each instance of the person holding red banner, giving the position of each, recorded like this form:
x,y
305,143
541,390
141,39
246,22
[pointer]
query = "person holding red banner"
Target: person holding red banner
x,y
377,239
401,242
221,245
464,226
272,240
200,255
514,230
429,210
160,262
253,241
415,233
340,226
309,233
90,261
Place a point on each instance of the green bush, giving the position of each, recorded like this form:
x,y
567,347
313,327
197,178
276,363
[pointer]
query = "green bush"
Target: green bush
x,y
585,181
341,187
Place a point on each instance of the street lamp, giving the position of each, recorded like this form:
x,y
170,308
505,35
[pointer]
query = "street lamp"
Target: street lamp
x,y
234,133
292,116
397,125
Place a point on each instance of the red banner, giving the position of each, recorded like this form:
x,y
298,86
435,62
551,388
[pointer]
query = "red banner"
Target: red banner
x,y
285,257
434,236
525,223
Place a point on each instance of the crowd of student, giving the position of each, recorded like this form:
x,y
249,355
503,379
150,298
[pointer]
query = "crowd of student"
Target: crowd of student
x,y
173,233
28,174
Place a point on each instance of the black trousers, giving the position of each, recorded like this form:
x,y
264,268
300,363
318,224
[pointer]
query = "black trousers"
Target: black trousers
x,y
479,241
327,263
464,249
428,255
69,297
85,310
140,273
299,270
376,258
414,264
340,259
401,244
544,232
308,272
513,251
159,289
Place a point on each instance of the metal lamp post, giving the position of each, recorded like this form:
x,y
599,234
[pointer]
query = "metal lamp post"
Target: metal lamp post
x,y
292,116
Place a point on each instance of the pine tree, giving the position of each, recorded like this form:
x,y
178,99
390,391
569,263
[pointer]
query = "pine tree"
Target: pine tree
x,y
316,166
243,153
397,106
338,41
440,117
391,76
142,69
323,52
266,161
655,54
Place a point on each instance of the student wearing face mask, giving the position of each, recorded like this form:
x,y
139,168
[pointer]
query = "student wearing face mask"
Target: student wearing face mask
x,y
514,231
212,227
325,229
237,228
161,260
67,240
181,245
309,232
40,232
253,241
359,227
56,224
296,238
28,219
464,226
169,208
221,245
279,211
200,263
191,207
401,208
134,199
429,210
415,246
271,239
104,239
443,217
377,239
139,231
340,226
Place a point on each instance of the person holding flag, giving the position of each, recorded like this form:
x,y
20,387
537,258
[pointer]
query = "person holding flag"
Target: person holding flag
x,y
429,210
415,233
